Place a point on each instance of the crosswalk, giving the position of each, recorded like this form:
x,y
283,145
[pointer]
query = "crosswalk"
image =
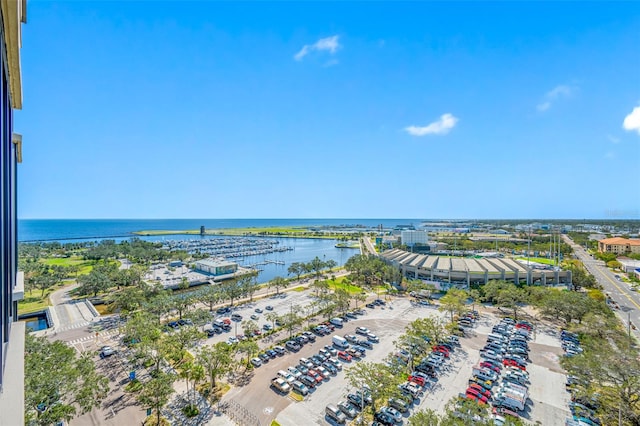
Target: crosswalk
x,y
101,336
73,326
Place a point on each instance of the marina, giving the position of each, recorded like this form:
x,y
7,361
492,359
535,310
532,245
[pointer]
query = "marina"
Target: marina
x,y
230,248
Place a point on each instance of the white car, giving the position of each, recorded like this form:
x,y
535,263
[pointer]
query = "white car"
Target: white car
x,y
372,338
294,371
232,340
362,330
323,371
257,362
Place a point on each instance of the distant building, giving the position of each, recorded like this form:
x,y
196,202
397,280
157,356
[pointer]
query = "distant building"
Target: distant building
x,y
216,267
411,238
619,245
175,264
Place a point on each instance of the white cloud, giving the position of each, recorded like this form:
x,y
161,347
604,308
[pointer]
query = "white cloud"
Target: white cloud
x,y
558,92
632,121
329,44
613,139
544,106
441,127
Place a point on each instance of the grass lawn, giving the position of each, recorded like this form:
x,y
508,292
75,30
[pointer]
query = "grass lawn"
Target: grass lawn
x,y
34,301
301,288
538,260
85,265
339,283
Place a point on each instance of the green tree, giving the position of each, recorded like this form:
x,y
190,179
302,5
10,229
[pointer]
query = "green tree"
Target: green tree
x,y
278,283
59,385
248,348
193,373
382,383
453,302
216,361
156,392
209,295
297,269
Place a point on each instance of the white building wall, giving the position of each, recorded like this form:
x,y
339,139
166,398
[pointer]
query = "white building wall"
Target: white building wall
x,y
411,238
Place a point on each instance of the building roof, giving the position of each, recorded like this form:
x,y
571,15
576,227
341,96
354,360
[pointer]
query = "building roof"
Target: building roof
x,y
620,241
215,262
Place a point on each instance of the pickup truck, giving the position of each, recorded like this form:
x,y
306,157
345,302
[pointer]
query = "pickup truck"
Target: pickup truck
x,y
280,384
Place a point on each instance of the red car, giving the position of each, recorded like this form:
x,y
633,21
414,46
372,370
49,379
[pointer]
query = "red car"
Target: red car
x,y
490,366
525,326
316,376
417,380
441,349
344,356
476,396
480,389
512,363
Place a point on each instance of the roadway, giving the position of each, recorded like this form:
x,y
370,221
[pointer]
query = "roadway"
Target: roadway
x,y
620,292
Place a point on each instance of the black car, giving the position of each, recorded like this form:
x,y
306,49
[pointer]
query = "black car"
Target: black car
x,y
356,400
384,418
210,332
271,353
351,315
264,357
370,305
308,381
223,310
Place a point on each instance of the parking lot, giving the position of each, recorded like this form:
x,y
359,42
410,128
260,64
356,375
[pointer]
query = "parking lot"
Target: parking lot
x,y
548,399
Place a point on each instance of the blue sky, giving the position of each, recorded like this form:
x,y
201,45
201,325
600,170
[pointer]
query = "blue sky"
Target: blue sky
x,y
330,110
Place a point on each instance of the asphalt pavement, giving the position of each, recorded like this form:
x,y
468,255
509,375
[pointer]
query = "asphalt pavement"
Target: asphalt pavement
x,y
620,292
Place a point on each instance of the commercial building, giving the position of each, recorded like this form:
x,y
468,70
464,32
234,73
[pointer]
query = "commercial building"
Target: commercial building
x,y
457,271
12,336
619,245
411,238
629,265
216,267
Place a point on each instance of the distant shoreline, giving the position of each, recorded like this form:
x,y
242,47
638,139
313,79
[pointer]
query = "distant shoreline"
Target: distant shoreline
x,y
281,232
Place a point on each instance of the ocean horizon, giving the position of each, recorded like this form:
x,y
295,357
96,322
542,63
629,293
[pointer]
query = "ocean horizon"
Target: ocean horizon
x,y
33,230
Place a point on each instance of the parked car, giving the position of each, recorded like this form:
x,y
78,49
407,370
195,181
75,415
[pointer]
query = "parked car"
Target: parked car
x,y
364,343
399,404
308,381
337,364
294,371
300,387
372,338
348,409
256,362
344,356
280,385
393,413
357,400
258,311
106,351
279,350
269,308
236,317
264,357
292,346
384,418
334,413
350,338
362,330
